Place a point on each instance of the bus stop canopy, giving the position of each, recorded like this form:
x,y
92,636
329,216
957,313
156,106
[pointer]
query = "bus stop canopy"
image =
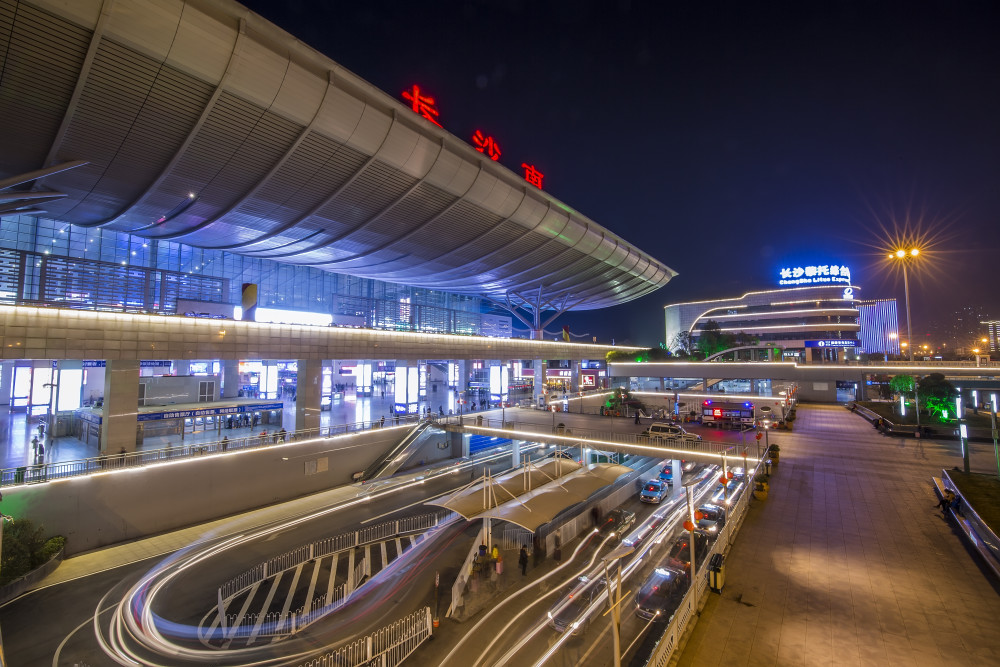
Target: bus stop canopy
x,y
517,497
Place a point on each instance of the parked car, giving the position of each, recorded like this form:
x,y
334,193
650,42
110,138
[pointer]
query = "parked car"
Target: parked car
x,y
662,592
713,518
680,553
617,522
565,614
653,491
665,431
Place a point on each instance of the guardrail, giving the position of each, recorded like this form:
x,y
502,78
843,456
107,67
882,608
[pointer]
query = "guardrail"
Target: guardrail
x,y
47,472
688,608
326,546
386,647
704,446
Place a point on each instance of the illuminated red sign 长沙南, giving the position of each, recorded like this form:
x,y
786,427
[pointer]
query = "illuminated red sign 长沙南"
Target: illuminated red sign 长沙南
x,y
422,104
532,175
486,145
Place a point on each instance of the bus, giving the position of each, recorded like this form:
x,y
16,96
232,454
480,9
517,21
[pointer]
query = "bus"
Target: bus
x,y
727,414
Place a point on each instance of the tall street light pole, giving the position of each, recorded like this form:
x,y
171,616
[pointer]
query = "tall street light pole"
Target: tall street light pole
x,y
904,255
615,604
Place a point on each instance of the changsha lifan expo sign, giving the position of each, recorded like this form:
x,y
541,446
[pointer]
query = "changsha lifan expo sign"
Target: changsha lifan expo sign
x,y
815,275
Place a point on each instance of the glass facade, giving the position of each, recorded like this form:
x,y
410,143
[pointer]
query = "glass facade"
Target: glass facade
x,y
44,262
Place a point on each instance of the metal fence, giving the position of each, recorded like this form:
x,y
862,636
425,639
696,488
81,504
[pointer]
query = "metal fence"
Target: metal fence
x,y
570,437
46,472
326,546
688,608
386,647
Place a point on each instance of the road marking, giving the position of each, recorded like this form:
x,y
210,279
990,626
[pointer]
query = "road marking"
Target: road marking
x,y
333,578
239,617
288,598
263,610
308,605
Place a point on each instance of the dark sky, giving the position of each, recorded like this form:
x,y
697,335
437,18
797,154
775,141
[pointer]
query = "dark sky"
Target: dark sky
x,y
725,139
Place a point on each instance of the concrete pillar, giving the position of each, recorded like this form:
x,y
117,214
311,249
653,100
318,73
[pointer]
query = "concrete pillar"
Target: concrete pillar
x,y
230,378
459,444
677,490
538,365
515,451
121,397
6,383
308,390
181,367
574,378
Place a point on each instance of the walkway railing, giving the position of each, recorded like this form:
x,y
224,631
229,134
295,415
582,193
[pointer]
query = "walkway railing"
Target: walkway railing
x,y
329,545
386,647
568,436
46,472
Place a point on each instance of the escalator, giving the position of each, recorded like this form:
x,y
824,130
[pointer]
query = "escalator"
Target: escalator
x,y
390,462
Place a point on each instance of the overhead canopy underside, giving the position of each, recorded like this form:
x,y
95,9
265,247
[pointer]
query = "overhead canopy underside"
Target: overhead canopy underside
x,y
202,123
530,503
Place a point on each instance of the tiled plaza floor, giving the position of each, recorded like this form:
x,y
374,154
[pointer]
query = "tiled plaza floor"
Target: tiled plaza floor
x,y
848,562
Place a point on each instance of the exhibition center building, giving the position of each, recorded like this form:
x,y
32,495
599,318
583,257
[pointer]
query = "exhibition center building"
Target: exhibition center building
x,y
813,317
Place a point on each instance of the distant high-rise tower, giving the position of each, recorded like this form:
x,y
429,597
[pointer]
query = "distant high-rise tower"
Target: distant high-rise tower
x,y
879,322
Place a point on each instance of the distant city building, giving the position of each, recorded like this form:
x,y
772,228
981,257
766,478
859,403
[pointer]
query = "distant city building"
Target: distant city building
x,y
960,329
810,324
879,322
993,332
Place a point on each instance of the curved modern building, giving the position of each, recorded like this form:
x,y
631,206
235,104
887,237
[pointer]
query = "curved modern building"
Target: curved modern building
x,y
201,124
809,323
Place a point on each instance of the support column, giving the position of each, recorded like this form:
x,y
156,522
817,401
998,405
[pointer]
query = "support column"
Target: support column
x,y
230,378
407,396
538,365
308,390
268,386
574,378
515,450
677,490
121,397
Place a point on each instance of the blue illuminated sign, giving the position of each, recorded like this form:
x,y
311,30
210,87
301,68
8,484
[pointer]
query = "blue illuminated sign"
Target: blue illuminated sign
x,y
834,342
815,275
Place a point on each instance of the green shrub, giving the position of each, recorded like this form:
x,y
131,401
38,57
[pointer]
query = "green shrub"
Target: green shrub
x,y
24,549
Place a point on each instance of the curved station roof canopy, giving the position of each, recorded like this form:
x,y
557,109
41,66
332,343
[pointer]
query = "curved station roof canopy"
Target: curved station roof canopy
x,y
200,122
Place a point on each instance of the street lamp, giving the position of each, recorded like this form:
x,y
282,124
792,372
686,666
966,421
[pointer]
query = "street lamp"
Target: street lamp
x,y
963,433
615,607
904,256
691,525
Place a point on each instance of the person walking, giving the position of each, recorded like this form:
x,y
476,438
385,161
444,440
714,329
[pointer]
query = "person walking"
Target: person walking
x,y
34,446
522,559
946,499
225,442
637,417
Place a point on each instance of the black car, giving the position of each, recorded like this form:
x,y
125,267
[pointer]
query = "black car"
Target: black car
x,y
617,522
565,614
680,552
713,518
662,592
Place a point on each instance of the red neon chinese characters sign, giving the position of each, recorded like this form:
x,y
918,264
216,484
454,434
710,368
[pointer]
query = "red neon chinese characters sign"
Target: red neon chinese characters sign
x,y
422,104
486,145
532,175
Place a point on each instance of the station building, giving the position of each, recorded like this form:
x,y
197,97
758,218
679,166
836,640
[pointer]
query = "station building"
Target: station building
x,y
158,158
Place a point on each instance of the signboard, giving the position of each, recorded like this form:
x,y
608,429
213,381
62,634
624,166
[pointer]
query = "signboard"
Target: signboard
x,y
587,380
143,363
208,412
835,342
822,274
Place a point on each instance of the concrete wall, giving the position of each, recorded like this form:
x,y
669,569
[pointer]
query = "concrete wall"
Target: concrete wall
x,y
169,389
122,505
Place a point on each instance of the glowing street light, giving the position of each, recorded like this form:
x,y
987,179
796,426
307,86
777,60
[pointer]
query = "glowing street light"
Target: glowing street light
x,y
902,255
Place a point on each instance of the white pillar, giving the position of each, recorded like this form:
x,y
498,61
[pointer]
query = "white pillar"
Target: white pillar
x,y
121,397
230,378
538,365
308,386
678,487
515,450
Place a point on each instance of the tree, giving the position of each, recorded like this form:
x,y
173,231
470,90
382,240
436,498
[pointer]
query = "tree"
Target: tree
x,y
901,384
711,339
682,342
937,395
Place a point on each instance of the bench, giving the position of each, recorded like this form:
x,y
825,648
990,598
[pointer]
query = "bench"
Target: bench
x,y
938,486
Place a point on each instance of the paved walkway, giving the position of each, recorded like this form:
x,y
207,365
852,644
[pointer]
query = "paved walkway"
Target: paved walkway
x,y
849,563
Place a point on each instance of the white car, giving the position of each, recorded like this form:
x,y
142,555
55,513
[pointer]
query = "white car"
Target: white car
x,y
665,431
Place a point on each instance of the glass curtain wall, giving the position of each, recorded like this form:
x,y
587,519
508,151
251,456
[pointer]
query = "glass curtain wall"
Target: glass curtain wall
x,y
50,263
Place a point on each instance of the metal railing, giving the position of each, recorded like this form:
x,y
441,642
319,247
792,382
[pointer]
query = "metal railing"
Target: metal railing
x,y
47,472
329,545
688,608
386,647
567,435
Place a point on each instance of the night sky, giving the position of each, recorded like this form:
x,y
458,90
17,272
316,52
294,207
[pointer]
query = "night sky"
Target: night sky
x,y
725,139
